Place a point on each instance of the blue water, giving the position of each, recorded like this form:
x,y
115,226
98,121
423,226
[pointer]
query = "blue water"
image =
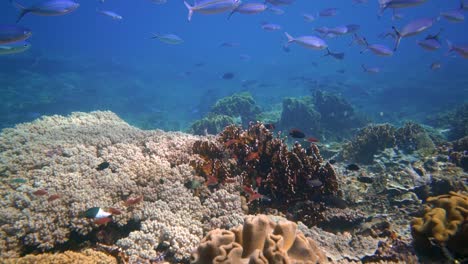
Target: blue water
x,y
84,61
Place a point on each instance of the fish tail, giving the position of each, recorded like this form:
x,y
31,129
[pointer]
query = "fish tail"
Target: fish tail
x,y
23,10
290,38
364,67
397,38
232,13
190,9
449,45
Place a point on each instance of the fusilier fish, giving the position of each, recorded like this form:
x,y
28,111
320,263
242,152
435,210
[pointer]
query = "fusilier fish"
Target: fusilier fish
x,y
462,50
372,70
280,2
47,8
13,33
110,14
384,4
248,9
169,38
311,42
211,6
15,47
270,27
413,28
378,49
454,15
336,55
431,42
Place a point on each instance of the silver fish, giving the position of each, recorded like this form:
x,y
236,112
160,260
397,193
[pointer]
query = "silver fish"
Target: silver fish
x,y
328,12
310,42
159,2
322,30
378,49
352,28
110,14
461,50
15,47
13,33
47,8
453,15
309,18
211,6
338,56
361,41
435,66
169,39
340,30
413,28
280,2
275,10
248,8
384,4
372,70
270,27
431,42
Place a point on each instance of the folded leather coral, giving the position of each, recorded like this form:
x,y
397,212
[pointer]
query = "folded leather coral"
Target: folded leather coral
x,y
259,240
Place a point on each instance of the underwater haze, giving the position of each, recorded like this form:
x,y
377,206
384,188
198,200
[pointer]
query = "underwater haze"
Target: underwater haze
x,y
105,56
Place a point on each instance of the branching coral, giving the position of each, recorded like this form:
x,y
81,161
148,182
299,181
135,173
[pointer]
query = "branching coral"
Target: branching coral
x,y
259,240
444,222
265,167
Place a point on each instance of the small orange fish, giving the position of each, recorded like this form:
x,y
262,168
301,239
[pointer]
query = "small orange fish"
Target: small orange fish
x,y
230,142
133,201
211,180
252,156
312,140
102,221
40,192
53,197
253,195
114,211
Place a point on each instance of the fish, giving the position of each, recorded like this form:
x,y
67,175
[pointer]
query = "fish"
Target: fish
x,y
168,38
396,15
309,18
96,212
245,57
431,42
280,2
353,167
412,28
248,9
102,221
462,50
15,47
361,41
228,76
133,200
378,49
384,4
338,56
340,30
353,28
435,66
314,183
103,165
252,156
322,30
360,1
370,69
455,15
270,27
53,197
311,42
18,180
110,14
40,192
275,10
47,8
211,7
229,44
296,133
159,2
332,161
270,126
328,12
114,211
13,33
311,140
253,195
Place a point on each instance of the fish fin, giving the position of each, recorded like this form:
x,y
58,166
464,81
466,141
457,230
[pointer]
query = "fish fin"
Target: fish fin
x,y
290,38
232,13
190,9
397,38
364,67
23,10
22,14
449,45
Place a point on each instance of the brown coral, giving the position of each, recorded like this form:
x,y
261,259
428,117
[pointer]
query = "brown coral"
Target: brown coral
x,y
259,240
444,222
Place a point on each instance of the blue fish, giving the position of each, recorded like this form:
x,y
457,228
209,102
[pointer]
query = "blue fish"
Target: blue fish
x,y
310,42
47,8
15,47
13,33
211,6
248,9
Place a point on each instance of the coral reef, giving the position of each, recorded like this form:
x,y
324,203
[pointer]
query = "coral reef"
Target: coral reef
x,y
259,240
444,223
369,141
211,124
456,121
239,104
300,113
266,169
59,156
413,137
87,256
459,153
